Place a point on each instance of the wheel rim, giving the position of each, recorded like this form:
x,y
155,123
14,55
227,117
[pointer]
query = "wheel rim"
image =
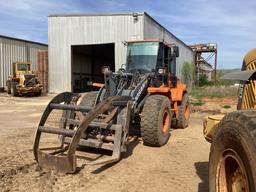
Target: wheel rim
x,y
231,173
166,121
187,112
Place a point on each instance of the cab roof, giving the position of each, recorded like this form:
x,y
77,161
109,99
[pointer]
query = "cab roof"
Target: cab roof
x,y
150,40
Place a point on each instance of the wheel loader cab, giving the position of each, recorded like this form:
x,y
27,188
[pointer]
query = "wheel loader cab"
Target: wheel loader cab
x,y
22,72
21,68
148,56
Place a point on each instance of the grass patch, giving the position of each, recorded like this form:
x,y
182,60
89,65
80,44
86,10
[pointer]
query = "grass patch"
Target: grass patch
x,y
214,92
226,106
197,103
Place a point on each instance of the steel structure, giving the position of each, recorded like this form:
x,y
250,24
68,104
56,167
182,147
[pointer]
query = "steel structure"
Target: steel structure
x,y
199,49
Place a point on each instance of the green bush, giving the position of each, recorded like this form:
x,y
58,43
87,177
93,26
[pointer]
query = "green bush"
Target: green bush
x,y
187,72
203,81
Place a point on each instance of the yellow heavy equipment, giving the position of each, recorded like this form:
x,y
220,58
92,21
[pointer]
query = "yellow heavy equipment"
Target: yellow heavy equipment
x,y
23,80
232,161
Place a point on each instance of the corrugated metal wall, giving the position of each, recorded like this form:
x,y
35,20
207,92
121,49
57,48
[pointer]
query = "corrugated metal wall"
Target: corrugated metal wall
x,y
153,30
78,30
12,50
67,30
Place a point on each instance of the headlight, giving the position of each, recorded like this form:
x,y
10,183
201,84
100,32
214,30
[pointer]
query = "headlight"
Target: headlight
x,y
161,71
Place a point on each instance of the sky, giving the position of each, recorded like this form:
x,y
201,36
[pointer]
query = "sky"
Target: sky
x,y
229,23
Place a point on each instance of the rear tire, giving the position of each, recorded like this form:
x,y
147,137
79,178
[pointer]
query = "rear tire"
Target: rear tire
x,y
9,86
14,91
86,99
183,112
232,163
38,93
156,120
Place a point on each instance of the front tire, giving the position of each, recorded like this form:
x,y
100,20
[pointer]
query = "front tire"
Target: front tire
x,y
14,91
156,120
9,86
37,94
232,163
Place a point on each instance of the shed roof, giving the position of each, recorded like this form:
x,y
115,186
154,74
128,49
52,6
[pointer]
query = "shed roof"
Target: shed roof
x,y
95,14
23,40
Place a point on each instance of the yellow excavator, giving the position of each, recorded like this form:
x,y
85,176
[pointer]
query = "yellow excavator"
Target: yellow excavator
x,y
23,80
232,161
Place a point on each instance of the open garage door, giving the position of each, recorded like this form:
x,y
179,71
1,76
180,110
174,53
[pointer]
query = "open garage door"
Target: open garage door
x,y
87,61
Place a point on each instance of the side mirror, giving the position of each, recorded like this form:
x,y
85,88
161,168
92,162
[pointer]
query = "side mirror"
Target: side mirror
x,y
162,70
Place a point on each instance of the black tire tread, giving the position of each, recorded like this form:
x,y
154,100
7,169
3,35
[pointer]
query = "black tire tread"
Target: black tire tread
x,y
14,89
9,85
245,118
88,99
149,120
238,127
182,122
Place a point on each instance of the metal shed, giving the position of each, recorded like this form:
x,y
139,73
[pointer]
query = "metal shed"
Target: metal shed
x,y
13,50
80,43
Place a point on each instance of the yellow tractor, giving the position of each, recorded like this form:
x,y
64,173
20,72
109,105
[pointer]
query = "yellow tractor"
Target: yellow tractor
x,y
232,161
23,80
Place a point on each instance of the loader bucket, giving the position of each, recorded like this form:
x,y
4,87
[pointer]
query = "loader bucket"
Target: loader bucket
x,y
63,158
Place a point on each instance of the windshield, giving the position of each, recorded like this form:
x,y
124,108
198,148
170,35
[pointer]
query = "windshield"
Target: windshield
x,y
142,56
23,67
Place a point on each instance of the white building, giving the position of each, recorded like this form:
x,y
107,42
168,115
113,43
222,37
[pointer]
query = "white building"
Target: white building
x,y
80,44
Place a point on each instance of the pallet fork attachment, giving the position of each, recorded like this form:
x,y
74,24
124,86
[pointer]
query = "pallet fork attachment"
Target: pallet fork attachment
x,y
63,158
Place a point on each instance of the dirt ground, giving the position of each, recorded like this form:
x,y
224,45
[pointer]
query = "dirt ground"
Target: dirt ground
x,y
181,165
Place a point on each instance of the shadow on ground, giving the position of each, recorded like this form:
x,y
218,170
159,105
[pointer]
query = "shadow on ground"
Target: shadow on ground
x,y
100,153
202,172
130,147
